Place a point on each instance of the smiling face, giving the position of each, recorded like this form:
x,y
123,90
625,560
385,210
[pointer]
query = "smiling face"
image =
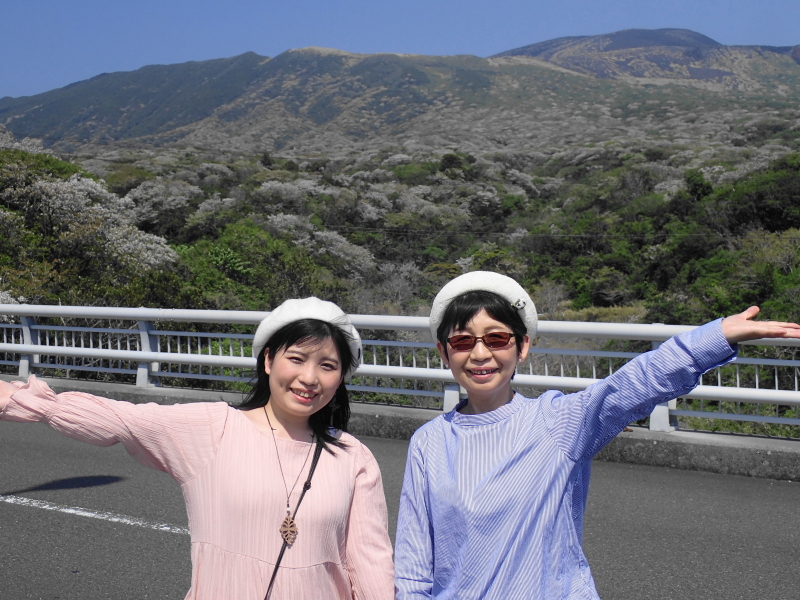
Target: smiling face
x,y
485,373
303,378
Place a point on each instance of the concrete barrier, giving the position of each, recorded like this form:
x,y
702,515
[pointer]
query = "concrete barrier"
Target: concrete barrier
x,y
728,454
725,453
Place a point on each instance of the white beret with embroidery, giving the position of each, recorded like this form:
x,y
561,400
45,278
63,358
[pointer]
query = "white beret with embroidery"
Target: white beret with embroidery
x,y
490,282
307,308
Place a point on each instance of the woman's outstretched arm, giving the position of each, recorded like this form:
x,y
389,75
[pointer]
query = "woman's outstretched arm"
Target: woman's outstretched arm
x,y
178,439
583,422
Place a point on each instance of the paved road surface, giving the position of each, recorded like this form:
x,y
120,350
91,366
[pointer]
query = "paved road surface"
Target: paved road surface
x,y
651,533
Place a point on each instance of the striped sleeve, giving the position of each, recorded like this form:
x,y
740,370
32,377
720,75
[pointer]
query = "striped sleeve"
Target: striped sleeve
x,y
414,539
582,423
178,439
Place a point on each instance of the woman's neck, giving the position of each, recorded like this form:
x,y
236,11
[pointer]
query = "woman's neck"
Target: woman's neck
x,y
279,424
478,403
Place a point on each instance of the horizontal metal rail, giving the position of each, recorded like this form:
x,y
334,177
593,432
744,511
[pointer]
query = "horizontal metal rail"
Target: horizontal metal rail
x,y
735,417
134,355
608,331
84,329
232,336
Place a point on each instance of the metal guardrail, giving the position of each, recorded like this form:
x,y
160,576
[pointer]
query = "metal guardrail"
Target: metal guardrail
x,y
126,342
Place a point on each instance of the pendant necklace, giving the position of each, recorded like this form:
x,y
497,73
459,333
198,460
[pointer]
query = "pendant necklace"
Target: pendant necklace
x,y
288,527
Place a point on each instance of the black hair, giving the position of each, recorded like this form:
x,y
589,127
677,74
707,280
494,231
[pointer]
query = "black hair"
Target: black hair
x,y
464,307
336,413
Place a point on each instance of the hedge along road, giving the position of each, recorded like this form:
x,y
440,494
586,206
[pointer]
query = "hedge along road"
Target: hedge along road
x,y
651,533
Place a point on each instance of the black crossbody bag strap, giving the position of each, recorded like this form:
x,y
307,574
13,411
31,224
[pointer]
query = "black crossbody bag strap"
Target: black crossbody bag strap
x,y
306,487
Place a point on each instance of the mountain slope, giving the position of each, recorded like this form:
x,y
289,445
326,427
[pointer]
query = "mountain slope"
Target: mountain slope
x,y
129,104
620,40
632,84
677,54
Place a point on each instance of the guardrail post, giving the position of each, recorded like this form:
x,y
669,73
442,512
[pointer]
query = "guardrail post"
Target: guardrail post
x,y
29,336
660,419
149,342
452,396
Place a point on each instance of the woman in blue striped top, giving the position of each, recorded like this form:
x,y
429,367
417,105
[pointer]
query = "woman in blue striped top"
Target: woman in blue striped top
x,y
495,490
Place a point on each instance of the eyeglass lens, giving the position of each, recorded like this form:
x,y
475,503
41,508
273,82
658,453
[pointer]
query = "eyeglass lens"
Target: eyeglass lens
x,y
498,339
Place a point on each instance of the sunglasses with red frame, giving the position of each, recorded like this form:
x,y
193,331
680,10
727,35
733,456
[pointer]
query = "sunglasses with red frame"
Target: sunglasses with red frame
x,y
494,340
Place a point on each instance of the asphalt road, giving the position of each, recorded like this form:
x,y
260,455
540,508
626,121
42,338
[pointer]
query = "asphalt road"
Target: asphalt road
x,y
651,533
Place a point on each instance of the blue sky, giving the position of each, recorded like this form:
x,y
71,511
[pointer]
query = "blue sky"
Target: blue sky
x,y
47,44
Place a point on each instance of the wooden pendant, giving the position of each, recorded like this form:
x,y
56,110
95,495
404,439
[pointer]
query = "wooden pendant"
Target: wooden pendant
x,y
289,530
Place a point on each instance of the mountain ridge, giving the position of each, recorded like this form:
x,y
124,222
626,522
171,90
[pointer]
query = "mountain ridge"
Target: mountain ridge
x,y
620,40
317,98
659,53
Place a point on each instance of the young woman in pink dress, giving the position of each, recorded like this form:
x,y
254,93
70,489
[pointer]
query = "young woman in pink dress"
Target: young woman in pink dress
x,y
274,477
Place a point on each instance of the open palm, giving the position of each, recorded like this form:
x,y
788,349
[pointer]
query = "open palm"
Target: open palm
x,y
742,327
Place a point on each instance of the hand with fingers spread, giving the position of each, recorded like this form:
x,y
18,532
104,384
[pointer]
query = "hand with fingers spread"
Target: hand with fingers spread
x,y
742,327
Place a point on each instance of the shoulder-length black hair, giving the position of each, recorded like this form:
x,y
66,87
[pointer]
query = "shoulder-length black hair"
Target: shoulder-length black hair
x,y
336,413
464,307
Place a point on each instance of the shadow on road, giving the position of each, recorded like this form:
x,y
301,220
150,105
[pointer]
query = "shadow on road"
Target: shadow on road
x,y
70,483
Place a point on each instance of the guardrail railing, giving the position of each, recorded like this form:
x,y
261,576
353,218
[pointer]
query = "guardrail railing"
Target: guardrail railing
x,y
128,344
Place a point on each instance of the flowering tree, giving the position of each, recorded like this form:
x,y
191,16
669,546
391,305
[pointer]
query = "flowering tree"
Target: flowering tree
x,y
160,205
342,256
213,214
31,145
80,232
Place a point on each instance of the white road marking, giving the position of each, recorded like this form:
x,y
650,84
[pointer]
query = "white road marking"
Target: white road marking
x,y
93,514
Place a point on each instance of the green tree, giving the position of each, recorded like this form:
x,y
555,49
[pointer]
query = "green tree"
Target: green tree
x,y
450,161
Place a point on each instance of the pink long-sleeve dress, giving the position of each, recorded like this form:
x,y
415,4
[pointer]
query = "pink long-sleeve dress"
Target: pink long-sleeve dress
x,y
235,498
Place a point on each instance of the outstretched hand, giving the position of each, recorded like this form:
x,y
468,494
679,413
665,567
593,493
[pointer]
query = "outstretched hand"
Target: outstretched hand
x,y
741,327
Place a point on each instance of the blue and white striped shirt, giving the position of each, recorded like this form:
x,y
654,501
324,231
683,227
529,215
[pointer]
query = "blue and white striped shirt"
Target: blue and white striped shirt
x,y
492,504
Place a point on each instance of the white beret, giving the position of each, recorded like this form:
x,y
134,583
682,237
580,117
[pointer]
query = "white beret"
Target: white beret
x,y
308,308
490,282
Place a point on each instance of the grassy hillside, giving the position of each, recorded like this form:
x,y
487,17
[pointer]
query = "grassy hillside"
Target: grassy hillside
x,y
683,236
